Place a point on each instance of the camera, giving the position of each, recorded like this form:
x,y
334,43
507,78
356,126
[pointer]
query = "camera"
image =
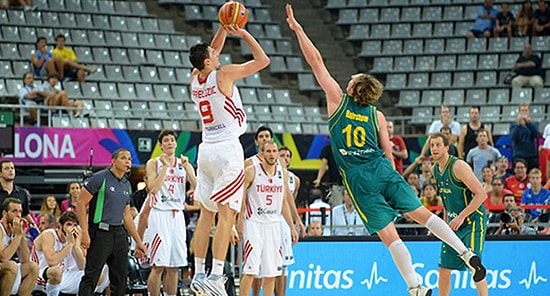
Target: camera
x,y
506,217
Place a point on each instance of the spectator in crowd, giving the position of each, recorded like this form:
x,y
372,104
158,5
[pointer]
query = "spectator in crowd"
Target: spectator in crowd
x,y
425,174
528,68
335,180
453,150
31,96
12,241
524,134
345,220
445,120
468,134
26,4
494,204
399,149
485,21
512,224
50,206
43,61
47,221
541,18
536,195
544,153
71,67
502,170
482,155
69,204
487,175
504,23
318,206
518,182
314,229
525,18
8,188
412,178
57,97
430,198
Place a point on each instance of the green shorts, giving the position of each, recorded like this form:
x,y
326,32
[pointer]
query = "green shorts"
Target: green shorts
x,y
473,236
379,193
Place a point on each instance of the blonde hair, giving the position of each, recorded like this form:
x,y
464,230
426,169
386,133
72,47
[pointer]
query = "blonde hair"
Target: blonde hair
x,y
367,90
535,172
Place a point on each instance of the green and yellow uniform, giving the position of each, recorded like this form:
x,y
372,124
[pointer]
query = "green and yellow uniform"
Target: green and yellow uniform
x,y
456,196
377,190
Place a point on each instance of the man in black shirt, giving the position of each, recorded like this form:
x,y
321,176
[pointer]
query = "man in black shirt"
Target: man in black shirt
x,y
105,228
9,189
529,69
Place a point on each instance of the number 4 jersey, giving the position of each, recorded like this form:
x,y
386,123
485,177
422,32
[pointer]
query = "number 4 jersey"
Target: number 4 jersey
x,y
171,195
264,201
222,117
354,133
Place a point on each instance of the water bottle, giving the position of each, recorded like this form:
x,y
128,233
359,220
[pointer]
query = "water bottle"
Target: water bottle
x,y
34,232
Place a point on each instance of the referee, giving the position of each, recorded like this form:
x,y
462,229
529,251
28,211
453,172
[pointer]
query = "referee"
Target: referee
x,y
104,228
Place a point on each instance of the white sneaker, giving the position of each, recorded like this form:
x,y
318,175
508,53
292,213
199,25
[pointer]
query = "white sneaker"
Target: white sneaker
x,y
215,285
474,263
197,284
420,291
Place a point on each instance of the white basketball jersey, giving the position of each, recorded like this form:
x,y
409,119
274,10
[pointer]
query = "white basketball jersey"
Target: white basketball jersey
x,y
223,117
38,255
265,195
291,182
6,238
256,160
171,195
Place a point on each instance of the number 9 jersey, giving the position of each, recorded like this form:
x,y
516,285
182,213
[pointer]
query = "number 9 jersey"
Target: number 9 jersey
x,y
222,117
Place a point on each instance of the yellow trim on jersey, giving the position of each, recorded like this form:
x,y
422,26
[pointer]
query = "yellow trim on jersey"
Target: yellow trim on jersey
x,y
352,197
338,113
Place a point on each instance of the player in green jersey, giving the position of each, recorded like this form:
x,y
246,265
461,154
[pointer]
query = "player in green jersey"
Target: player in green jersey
x,y
463,198
363,154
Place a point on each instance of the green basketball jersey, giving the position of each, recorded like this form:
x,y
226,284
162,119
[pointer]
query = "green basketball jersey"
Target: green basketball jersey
x,y
455,194
354,134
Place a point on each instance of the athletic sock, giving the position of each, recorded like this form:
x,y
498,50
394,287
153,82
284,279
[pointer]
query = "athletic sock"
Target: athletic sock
x,y
442,230
217,267
200,264
403,261
53,290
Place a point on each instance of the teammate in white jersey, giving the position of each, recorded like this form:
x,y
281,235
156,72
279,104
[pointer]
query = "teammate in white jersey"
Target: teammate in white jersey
x,y
60,257
162,214
259,222
220,163
16,278
288,256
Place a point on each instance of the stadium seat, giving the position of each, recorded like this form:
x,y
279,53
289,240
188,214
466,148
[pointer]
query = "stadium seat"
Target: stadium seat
x,y
371,48
498,44
380,31
453,13
499,96
467,62
113,38
409,98
463,79
347,16
434,46
425,63
477,45
446,62
392,47
443,29
383,64
404,63
422,30
522,95
463,114
441,80
486,78
390,14
368,15
401,30
542,95
358,32
422,115
432,98
282,96
131,73
146,40
476,97
412,46
396,81
431,13
410,14
453,97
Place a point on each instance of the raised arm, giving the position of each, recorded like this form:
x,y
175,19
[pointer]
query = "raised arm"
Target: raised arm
x,y
154,180
313,57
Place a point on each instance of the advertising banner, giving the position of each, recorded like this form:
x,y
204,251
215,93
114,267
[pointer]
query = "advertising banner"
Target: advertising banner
x,y
366,268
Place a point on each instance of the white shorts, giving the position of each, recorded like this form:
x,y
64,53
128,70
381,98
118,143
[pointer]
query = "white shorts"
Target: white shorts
x,y
17,283
262,249
71,280
286,242
220,175
165,238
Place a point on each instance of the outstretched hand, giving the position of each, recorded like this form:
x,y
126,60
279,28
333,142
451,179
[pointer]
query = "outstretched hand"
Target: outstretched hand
x,y
292,22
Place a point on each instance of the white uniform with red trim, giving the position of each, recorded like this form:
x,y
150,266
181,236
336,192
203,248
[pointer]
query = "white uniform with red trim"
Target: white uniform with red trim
x,y
286,234
165,235
262,231
220,174
39,258
6,241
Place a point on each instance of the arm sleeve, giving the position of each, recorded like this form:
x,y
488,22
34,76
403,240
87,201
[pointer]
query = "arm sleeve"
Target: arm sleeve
x,y
94,182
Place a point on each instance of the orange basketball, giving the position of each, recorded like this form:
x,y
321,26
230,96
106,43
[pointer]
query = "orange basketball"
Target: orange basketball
x,y
234,14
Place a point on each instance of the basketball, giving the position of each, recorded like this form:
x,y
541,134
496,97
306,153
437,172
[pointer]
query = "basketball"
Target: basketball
x,y
233,14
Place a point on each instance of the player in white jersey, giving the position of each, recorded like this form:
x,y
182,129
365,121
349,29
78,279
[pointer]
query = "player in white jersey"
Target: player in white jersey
x,y
60,257
15,278
223,121
259,222
162,214
288,256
